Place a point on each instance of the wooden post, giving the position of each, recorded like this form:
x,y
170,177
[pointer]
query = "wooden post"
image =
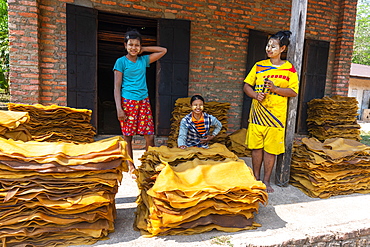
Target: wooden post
x,y
295,55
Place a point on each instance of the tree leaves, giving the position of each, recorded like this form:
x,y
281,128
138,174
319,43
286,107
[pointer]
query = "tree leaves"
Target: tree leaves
x,y
4,46
361,48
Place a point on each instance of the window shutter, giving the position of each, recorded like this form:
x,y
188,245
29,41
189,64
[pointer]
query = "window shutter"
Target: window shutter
x,y
173,79
82,58
313,81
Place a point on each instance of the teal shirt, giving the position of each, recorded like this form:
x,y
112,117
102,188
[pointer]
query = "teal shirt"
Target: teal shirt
x,y
133,77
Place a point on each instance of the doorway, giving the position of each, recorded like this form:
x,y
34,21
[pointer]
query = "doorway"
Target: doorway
x,y
313,79
95,41
256,52
111,30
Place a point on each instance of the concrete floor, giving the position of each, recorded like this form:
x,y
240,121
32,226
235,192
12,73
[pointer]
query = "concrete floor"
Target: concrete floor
x,y
290,219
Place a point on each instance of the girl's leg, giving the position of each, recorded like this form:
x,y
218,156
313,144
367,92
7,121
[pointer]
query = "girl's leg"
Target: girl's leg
x,y
145,123
149,141
131,166
268,162
257,158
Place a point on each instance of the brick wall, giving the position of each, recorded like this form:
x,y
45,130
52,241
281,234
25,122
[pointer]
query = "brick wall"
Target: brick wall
x,y
344,48
219,34
53,61
24,51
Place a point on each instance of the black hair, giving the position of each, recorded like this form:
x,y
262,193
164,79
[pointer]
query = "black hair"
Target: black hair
x,y
195,97
132,34
282,37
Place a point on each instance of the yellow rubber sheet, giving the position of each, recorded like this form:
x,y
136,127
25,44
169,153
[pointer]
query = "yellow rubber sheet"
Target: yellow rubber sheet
x,y
336,166
65,153
59,193
196,190
57,123
333,117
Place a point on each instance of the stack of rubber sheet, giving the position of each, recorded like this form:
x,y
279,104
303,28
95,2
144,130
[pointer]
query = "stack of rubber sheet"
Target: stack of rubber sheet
x,y
57,123
12,125
235,142
333,117
196,190
335,167
182,108
59,194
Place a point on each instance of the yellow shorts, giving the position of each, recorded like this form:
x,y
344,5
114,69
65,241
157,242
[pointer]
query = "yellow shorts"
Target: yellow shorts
x,y
271,139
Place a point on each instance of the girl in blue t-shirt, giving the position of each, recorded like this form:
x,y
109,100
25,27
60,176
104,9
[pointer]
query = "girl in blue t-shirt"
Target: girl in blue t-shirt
x,y
131,93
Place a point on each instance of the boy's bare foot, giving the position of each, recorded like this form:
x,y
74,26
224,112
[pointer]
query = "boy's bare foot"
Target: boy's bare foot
x,y
269,189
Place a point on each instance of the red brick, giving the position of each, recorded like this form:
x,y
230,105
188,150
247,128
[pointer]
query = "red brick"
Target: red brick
x,y
28,39
26,14
30,87
139,7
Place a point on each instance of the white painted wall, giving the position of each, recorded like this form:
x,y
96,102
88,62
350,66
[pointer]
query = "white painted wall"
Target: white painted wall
x,y
359,87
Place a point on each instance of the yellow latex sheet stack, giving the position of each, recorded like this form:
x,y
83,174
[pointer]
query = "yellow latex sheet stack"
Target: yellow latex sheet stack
x,y
182,108
57,123
58,194
335,167
333,117
196,190
12,125
235,142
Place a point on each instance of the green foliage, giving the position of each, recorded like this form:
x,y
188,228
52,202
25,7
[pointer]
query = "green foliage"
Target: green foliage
x,y
361,49
4,46
365,139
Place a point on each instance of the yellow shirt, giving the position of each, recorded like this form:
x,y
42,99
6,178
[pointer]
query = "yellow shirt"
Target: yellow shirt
x,y
272,110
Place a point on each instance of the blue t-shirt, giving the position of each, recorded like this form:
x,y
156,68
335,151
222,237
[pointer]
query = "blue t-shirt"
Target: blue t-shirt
x,y
133,77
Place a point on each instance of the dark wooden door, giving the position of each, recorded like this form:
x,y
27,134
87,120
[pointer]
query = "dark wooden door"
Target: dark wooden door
x,y
82,58
256,52
312,85
173,77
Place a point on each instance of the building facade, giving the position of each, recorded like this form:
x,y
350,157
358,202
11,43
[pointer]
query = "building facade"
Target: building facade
x,y
212,43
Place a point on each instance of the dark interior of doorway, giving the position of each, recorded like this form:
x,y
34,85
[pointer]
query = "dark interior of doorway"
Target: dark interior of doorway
x,y
111,30
256,51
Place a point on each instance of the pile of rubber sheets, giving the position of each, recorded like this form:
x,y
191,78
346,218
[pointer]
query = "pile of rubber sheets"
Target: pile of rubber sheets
x,y
58,194
182,108
334,117
57,123
12,125
196,190
235,142
335,167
